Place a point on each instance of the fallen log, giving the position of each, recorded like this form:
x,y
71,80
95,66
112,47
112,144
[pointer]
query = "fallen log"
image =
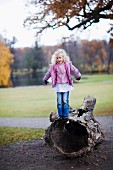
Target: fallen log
x,y
78,134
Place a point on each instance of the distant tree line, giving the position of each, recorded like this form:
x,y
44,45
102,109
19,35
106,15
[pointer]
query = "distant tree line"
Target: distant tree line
x,y
93,56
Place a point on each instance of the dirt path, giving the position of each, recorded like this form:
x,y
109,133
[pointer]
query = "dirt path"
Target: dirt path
x,y
36,155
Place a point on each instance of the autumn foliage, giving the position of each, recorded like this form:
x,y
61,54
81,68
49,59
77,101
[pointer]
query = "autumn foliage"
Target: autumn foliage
x,y
95,54
6,58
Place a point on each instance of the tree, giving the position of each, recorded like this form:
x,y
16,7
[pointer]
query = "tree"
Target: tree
x,y
95,55
19,58
57,13
11,43
35,59
6,58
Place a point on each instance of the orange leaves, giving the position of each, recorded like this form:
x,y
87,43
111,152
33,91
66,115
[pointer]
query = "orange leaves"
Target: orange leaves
x,y
62,8
6,58
95,54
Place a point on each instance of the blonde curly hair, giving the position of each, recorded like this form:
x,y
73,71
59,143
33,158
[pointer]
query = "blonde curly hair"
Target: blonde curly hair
x,y
54,56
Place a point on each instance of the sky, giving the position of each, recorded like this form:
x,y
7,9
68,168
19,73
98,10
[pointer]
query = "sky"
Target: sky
x,y
13,13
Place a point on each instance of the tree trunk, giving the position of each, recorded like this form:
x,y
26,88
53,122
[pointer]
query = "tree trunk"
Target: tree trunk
x,y
77,135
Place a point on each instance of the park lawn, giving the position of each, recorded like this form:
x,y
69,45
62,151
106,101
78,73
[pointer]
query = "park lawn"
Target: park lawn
x,y
39,101
103,94
9,135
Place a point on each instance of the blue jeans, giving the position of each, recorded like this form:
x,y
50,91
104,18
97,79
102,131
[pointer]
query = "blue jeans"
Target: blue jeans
x,y
63,104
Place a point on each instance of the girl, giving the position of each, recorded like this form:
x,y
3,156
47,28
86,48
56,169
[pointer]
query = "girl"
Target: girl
x,y
59,72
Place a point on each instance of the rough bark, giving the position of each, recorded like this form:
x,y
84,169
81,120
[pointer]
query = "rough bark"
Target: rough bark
x,y
77,135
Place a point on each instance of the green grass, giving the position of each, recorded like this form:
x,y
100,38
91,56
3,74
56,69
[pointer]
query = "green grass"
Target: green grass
x,y
103,78
9,135
39,101
103,94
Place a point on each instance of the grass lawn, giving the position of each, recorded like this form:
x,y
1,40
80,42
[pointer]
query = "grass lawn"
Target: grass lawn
x,y
39,101
9,135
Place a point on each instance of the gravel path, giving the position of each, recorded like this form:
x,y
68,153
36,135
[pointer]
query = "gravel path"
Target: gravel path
x,y
105,121
36,155
25,122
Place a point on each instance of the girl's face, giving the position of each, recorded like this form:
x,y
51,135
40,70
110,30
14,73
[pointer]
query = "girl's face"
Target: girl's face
x,y
60,58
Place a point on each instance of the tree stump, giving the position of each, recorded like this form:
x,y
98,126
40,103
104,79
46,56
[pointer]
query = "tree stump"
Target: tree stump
x,y
77,135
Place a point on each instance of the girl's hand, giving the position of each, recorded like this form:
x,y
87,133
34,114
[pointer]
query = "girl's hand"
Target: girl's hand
x,y
46,82
78,78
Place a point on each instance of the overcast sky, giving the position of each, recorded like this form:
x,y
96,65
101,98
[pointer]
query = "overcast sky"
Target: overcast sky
x,y
13,13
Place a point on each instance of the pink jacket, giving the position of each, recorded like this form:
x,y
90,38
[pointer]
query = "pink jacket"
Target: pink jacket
x,y
52,72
